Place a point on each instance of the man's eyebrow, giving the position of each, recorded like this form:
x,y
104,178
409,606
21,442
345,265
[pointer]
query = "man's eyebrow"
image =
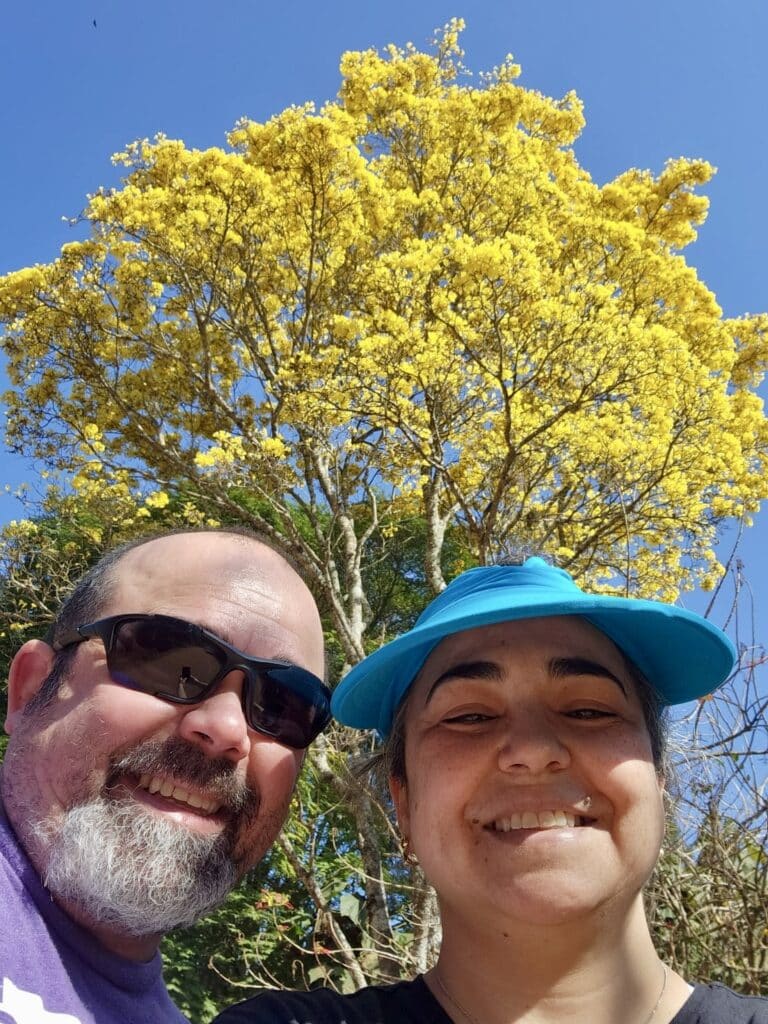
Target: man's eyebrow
x,y
560,667
219,633
466,670
226,637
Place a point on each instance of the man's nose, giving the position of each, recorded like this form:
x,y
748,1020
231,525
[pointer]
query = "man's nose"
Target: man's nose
x,y
217,725
531,743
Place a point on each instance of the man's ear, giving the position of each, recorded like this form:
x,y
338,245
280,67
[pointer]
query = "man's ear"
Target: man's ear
x,y
398,790
31,665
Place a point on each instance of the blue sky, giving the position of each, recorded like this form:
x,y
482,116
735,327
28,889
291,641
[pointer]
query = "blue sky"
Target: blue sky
x,y
659,79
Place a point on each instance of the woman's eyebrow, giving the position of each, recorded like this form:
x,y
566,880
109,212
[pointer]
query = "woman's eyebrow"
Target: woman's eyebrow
x,y
466,670
559,667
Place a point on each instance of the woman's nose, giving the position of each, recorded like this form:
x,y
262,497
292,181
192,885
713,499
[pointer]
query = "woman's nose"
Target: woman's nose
x,y
531,743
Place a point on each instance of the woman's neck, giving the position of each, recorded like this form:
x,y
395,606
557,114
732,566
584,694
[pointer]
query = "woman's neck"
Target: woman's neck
x,y
579,971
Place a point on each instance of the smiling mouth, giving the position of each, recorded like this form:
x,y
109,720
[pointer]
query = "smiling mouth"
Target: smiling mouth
x,y
156,786
538,820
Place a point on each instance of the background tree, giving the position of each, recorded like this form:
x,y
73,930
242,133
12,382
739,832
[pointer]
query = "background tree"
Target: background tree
x,y
417,293
402,335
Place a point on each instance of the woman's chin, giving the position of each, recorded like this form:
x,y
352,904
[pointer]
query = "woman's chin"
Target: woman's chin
x,y
534,902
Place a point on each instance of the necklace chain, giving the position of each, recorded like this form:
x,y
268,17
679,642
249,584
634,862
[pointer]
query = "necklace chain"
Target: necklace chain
x,y
473,1020
462,1010
652,1014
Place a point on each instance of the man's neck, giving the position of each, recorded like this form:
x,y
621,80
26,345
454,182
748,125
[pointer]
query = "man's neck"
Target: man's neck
x,y
140,948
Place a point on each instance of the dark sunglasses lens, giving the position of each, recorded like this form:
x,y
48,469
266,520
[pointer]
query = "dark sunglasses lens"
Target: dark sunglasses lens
x,y
162,657
284,705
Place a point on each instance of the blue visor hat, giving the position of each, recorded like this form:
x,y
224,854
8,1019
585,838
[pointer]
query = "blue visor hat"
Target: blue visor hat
x,y
682,655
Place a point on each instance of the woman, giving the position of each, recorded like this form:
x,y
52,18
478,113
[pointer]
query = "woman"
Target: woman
x,y
525,750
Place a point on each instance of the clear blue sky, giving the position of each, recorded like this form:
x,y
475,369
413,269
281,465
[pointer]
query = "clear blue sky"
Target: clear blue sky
x,y
659,79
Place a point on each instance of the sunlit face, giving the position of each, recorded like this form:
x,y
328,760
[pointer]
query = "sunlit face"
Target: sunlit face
x,y
531,793
198,767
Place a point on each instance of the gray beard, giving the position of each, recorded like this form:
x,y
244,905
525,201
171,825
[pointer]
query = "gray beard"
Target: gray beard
x,y
131,870
123,867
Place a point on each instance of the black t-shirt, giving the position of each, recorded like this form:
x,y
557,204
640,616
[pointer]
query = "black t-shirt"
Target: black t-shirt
x,y
411,1002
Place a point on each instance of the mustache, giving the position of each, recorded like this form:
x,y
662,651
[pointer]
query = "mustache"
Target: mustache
x,y
186,762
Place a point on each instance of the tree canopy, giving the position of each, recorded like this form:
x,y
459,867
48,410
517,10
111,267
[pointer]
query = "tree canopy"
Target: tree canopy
x,y
414,299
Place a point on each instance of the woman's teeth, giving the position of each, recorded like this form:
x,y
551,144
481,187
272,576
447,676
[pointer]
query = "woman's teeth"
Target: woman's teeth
x,y
535,819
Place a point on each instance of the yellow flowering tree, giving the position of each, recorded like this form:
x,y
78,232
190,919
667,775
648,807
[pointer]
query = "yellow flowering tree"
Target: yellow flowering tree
x,y
415,297
411,306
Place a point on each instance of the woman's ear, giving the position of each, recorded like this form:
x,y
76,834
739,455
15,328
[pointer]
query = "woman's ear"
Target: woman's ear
x,y
31,665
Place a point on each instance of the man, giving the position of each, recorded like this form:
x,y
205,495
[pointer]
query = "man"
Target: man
x,y
154,746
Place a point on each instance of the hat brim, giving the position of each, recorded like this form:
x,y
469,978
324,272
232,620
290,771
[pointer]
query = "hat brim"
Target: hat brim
x,y
682,655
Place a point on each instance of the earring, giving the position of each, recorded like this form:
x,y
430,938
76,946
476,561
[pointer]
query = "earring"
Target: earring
x,y
409,856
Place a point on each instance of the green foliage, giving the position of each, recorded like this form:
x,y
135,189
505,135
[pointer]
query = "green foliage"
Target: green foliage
x,y
709,903
281,927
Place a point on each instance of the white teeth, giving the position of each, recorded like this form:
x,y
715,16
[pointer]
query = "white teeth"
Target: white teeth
x,y
153,784
534,819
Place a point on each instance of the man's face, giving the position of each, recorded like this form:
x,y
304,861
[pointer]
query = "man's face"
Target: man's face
x,y
162,784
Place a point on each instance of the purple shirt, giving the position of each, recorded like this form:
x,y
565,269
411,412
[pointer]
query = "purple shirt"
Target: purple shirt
x,y
53,971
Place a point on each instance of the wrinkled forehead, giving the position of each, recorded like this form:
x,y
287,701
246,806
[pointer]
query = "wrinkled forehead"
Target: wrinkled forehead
x,y
237,587
180,562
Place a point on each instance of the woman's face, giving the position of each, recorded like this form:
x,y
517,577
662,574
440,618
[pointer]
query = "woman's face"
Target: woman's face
x,y
531,793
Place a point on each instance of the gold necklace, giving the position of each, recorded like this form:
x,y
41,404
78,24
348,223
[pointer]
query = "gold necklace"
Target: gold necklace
x,y
652,1014
473,1020
464,1012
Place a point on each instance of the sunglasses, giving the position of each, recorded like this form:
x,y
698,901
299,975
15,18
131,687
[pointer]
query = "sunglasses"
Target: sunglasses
x,y
180,662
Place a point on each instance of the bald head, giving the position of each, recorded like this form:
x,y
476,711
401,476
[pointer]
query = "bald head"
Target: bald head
x,y
225,551
220,580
